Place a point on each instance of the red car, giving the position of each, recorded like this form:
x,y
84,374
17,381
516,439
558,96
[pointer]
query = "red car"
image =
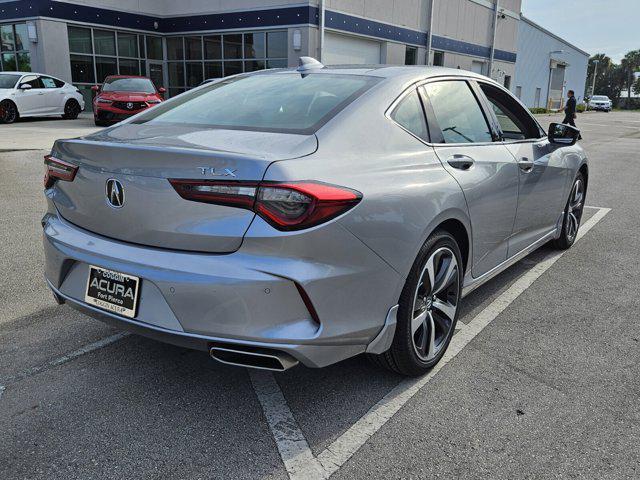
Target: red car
x,y
122,96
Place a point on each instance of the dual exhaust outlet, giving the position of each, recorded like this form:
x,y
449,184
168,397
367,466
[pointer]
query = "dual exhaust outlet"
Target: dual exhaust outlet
x,y
252,357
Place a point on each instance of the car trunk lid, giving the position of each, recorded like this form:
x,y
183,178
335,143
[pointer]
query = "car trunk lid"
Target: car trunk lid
x,y
142,159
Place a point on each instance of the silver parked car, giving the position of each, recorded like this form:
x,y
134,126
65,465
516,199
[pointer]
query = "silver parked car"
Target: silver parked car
x,y
308,215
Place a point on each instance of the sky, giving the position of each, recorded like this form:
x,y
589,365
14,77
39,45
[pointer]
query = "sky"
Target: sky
x,y
596,26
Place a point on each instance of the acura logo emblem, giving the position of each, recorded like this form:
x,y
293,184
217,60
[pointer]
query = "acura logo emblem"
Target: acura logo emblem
x,y
115,193
129,105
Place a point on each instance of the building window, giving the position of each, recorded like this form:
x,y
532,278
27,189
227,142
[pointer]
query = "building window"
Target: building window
x,y
411,56
519,92
438,58
193,59
154,48
96,53
507,82
14,48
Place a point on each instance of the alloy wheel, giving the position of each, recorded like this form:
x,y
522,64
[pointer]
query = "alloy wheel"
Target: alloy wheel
x,y
435,304
574,209
8,112
72,109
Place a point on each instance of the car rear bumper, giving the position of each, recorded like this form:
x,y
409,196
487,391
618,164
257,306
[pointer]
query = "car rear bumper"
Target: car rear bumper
x,y
200,300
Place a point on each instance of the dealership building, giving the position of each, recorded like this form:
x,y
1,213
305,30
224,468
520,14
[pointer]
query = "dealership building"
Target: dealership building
x,y
179,44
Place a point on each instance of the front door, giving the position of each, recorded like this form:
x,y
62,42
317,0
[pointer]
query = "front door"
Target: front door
x,y
31,101
155,71
484,169
542,176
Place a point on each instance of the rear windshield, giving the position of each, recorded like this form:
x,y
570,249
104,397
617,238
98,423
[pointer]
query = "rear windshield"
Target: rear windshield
x,y
142,85
8,81
600,97
281,102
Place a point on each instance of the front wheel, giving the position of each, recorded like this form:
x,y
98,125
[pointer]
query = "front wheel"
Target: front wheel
x,y
8,112
572,214
71,110
428,308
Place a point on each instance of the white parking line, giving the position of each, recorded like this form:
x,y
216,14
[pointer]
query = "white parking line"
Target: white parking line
x,y
63,359
294,449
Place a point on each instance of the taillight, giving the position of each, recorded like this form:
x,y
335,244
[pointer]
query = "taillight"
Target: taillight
x,y
233,194
286,206
56,169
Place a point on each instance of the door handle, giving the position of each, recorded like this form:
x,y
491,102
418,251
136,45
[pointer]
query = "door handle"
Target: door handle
x,y
461,162
525,164
40,93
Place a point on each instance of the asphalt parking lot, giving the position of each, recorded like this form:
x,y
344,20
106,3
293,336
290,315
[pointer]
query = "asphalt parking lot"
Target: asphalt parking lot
x,y
542,379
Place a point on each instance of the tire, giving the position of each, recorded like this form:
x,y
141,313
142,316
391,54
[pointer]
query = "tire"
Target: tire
x,y
71,110
572,214
423,330
8,112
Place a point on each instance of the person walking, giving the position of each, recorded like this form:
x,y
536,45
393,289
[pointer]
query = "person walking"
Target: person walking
x,y
570,109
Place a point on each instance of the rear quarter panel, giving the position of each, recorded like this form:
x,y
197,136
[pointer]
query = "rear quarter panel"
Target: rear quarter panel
x,y
406,191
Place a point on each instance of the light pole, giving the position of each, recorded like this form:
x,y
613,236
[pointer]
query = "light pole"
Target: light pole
x,y
595,72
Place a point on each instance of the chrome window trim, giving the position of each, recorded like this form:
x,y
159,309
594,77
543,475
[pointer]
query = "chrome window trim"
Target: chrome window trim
x,y
397,101
419,83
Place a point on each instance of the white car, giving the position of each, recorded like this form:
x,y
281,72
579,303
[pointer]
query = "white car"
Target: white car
x,y
27,94
600,102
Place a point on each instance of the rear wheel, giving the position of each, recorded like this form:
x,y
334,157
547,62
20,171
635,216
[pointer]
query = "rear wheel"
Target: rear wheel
x,y
8,112
71,110
428,309
572,214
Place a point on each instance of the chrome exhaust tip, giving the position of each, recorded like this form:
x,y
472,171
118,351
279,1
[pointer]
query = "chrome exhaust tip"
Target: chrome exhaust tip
x,y
253,357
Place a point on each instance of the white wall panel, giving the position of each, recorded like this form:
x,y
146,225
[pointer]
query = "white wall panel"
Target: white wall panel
x,y
344,49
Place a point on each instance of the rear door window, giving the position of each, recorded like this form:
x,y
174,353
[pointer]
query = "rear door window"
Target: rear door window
x,y
410,115
49,82
281,102
457,112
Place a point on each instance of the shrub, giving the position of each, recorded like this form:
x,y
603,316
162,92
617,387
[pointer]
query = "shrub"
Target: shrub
x,y
581,108
538,110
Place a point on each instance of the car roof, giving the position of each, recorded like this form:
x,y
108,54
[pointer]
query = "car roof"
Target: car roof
x,y
126,76
398,72
24,73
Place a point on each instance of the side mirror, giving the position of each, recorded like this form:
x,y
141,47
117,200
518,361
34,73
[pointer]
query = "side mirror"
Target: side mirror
x,y
563,134
162,90
25,86
95,88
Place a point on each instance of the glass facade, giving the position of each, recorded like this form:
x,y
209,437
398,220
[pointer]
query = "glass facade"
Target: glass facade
x,y
96,53
188,60
192,59
14,48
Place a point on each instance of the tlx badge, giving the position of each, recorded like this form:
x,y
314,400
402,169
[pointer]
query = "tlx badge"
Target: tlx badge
x,y
218,172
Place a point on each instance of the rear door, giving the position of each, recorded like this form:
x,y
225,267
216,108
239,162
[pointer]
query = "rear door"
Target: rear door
x,y
463,139
54,94
542,176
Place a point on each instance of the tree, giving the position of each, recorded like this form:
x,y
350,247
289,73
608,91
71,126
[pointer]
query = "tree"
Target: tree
x,y
630,65
610,78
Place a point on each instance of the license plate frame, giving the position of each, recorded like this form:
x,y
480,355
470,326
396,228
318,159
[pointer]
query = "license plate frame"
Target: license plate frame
x,y
113,291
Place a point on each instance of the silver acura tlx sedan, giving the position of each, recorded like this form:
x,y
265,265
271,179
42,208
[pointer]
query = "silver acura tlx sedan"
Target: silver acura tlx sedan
x,y
308,215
